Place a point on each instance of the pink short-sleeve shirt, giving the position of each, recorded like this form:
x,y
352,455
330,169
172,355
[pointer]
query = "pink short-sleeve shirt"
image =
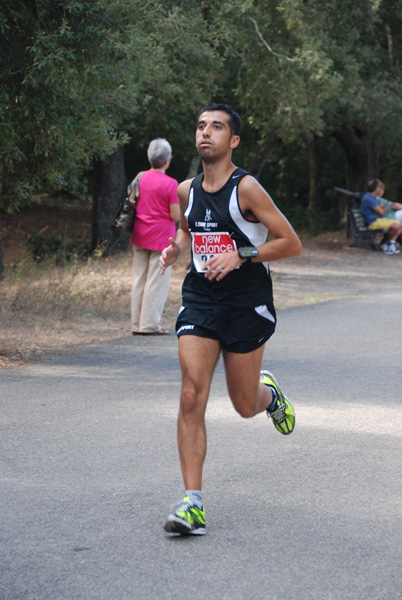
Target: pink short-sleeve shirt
x,y
153,225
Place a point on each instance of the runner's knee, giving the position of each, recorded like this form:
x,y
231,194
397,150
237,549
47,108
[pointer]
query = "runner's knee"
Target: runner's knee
x,y
192,400
245,411
188,400
244,405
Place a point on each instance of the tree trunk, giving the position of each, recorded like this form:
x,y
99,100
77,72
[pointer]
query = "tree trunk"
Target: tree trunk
x,y
315,193
263,154
361,162
361,157
109,192
194,167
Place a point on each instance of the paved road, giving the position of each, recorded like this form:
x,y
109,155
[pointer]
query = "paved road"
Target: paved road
x,y
89,468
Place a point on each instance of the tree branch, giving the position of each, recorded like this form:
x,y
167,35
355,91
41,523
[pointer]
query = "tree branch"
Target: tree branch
x,y
267,46
389,40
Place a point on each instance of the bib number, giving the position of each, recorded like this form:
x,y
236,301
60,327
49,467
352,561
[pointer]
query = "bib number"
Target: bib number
x,y
207,245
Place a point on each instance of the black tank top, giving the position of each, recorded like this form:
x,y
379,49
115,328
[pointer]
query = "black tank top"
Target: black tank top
x,y
216,225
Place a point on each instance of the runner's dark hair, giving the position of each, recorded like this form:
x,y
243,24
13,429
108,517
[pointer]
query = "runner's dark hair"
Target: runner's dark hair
x,y
234,118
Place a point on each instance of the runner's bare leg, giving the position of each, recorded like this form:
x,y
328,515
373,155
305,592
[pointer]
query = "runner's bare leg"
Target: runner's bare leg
x,y
198,357
249,397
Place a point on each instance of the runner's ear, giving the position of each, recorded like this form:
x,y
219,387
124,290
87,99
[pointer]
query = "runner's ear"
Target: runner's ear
x,y
234,141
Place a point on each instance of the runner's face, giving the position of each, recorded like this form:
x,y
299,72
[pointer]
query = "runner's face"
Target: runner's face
x,y
213,138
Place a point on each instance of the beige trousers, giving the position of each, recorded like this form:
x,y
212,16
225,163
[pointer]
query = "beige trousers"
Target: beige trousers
x,y
149,290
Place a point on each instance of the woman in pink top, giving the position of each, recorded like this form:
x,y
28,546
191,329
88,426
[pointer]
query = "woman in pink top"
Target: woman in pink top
x,y
155,222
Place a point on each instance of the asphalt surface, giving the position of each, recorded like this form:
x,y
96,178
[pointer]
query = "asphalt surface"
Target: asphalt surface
x,y
89,469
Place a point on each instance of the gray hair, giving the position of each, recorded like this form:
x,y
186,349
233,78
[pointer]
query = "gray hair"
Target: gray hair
x,y
159,151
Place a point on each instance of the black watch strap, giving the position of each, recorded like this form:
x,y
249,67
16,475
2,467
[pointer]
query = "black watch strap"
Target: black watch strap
x,y
248,252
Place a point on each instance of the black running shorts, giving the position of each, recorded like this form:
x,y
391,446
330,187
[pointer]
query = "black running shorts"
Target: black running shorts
x,y
238,331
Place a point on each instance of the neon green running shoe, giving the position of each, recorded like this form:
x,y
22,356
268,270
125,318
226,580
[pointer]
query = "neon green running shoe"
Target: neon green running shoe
x,y
284,418
186,518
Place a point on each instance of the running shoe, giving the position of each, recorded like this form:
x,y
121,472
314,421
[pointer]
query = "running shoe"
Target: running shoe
x,y
384,247
186,518
283,417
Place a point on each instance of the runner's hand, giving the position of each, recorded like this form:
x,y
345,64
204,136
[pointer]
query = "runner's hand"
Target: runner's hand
x,y
218,266
169,255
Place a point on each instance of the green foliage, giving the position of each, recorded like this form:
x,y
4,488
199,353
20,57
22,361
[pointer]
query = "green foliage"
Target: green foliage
x,y
317,67
79,76
184,75
58,96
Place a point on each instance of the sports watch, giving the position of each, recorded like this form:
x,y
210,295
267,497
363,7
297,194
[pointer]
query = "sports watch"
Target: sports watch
x,y
248,252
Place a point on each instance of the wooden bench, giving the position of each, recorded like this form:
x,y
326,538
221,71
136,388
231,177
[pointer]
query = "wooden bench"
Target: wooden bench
x,y
357,229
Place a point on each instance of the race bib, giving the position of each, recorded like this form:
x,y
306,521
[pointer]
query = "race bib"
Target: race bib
x,y
206,245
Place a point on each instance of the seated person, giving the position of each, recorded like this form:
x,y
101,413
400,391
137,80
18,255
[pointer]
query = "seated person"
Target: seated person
x,y
393,209
374,214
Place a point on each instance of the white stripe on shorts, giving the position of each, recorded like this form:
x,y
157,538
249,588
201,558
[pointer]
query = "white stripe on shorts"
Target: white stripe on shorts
x,y
264,312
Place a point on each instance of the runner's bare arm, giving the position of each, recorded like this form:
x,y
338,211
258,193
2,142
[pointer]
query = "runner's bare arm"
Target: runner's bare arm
x,y
253,198
256,203
170,254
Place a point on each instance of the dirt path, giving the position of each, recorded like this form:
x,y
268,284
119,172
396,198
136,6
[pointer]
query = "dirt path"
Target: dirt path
x,y
331,269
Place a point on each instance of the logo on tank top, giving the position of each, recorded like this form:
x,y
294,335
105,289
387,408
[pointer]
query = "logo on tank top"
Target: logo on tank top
x,y
207,222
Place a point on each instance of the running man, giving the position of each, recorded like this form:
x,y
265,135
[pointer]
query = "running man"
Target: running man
x,y
227,299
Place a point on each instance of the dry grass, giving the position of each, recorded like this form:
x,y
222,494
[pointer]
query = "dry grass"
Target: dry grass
x,y
45,307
